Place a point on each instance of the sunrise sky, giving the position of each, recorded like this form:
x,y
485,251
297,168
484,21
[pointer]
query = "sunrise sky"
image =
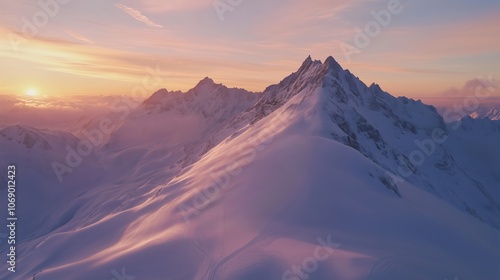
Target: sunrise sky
x,y
104,47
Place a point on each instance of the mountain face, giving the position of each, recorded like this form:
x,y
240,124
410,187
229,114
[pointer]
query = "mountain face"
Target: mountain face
x,y
318,177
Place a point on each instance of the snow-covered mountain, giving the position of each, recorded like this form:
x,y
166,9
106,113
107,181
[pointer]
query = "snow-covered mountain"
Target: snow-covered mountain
x,y
490,112
318,177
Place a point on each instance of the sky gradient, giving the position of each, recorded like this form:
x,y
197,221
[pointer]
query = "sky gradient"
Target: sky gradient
x,y
95,47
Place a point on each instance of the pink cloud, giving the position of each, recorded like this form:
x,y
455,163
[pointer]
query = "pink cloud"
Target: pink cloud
x,y
174,5
137,15
79,37
51,111
471,87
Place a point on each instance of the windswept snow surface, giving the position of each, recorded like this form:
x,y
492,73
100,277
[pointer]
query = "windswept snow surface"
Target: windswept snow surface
x,y
318,177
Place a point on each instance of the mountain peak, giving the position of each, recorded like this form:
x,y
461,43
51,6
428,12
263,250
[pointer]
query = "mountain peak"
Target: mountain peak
x,y
319,68
308,63
205,81
375,87
332,63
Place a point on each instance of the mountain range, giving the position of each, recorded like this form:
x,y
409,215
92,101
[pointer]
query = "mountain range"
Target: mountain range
x,y
320,176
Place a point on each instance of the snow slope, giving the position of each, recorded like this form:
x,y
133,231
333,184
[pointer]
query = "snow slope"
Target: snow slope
x,y
33,151
307,180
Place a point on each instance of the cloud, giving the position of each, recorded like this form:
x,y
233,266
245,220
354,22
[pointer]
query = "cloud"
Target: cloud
x,y
118,71
79,37
52,111
472,87
476,97
158,6
137,15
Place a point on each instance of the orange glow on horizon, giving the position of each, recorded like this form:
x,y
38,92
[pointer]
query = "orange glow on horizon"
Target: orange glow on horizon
x,y
118,58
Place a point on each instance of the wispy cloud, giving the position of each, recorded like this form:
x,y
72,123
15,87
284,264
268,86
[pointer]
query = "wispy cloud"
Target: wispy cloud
x,y
79,37
159,6
473,86
54,112
137,15
117,71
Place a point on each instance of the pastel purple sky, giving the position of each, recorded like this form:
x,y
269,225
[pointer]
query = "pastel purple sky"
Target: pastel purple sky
x,y
103,47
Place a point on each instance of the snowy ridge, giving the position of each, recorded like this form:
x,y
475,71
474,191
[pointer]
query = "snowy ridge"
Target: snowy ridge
x,y
220,183
489,109
492,113
214,101
32,138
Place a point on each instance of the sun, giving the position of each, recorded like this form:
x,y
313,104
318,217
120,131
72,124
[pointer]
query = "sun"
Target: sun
x,y
31,92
